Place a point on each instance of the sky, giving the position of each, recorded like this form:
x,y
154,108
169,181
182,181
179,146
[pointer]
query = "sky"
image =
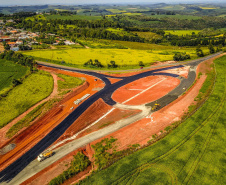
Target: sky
x,y
76,2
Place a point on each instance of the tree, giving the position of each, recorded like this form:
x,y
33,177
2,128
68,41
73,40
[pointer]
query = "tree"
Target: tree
x,y
181,56
112,64
16,82
7,47
199,51
219,48
141,63
211,48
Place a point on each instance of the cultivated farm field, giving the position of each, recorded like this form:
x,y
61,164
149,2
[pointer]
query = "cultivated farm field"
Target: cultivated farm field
x,y
182,32
148,35
73,17
8,72
34,88
177,16
122,57
193,153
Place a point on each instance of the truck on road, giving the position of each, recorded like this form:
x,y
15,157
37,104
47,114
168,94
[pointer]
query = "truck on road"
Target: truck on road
x,y
44,155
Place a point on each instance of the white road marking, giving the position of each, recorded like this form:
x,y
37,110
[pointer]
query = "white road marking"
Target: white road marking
x,y
144,91
74,136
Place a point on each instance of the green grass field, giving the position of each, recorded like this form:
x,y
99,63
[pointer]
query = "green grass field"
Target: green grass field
x,y
148,35
100,43
38,17
8,72
122,57
33,89
182,32
208,7
174,7
116,11
74,17
177,16
193,153
68,82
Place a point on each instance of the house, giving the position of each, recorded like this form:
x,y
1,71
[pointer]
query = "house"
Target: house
x,y
14,48
13,31
19,42
5,39
67,42
10,20
11,44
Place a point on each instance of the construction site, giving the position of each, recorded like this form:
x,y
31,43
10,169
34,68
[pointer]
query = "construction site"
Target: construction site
x,y
131,106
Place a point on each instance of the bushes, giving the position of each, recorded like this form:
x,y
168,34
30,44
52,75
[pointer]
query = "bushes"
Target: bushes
x,y
181,56
211,49
95,64
102,156
112,64
199,51
141,64
80,163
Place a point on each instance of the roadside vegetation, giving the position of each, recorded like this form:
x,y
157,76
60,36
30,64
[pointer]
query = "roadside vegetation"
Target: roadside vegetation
x,y
68,82
187,155
78,164
34,88
31,116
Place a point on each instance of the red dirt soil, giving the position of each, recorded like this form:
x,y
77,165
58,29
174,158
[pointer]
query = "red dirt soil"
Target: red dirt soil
x,y
162,85
48,122
183,71
93,113
143,130
113,80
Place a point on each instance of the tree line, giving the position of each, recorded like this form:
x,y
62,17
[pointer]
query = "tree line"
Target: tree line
x,y
19,58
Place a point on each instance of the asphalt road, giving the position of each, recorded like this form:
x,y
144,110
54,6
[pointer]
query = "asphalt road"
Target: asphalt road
x,y
16,167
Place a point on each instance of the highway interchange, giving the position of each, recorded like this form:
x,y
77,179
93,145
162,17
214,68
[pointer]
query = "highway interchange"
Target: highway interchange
x,y
9,174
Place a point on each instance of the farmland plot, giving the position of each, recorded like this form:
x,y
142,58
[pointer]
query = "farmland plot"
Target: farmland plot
x,y
8,72
33,89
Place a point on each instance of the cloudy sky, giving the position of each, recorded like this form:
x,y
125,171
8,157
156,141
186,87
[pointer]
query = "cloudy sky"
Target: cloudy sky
x,y
36,2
